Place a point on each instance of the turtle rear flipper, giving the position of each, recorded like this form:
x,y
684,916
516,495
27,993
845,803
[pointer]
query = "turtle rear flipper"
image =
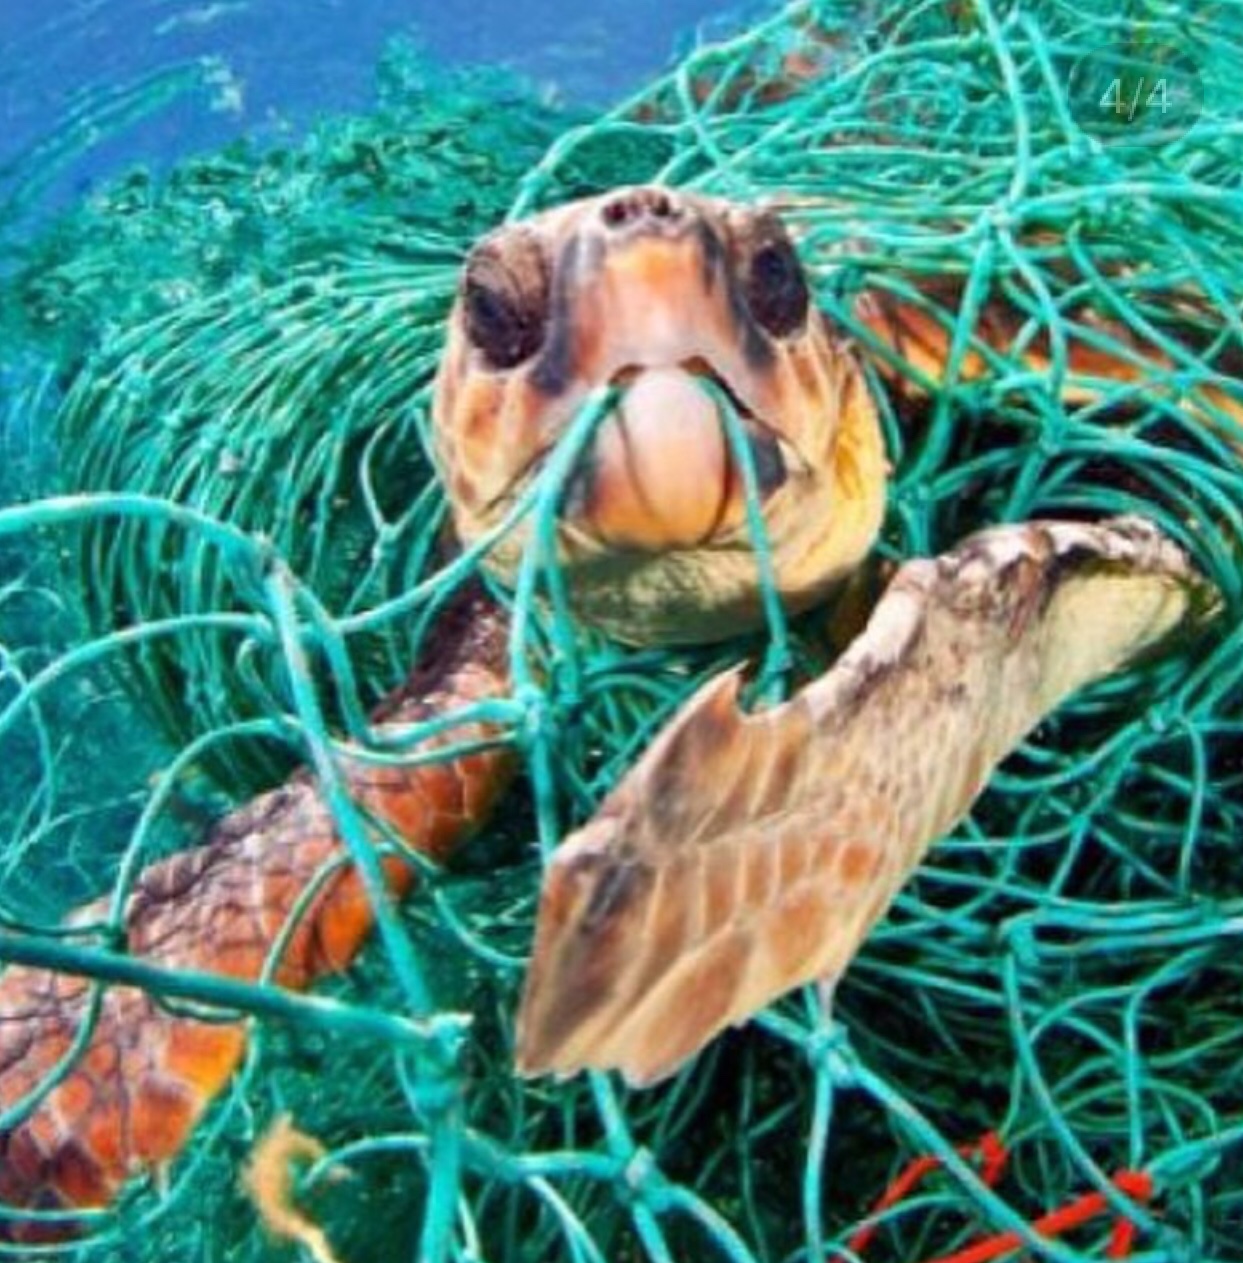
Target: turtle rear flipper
x,y
747,854
97,1088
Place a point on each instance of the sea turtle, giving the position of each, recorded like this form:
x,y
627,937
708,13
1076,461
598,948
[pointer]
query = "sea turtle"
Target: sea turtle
x,y
746,853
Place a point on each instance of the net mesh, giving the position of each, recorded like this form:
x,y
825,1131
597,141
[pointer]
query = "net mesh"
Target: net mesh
x,y
235,363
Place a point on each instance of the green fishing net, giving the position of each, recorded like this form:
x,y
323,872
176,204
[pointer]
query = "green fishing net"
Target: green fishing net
x,y
223,400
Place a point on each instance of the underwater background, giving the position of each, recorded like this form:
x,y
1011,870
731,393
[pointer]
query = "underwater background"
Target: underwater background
x,y
78,79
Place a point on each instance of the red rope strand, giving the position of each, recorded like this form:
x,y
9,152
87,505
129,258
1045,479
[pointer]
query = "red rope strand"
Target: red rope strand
x,y
991,1156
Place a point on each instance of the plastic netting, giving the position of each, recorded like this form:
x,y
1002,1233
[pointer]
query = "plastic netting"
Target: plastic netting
x,y
236,359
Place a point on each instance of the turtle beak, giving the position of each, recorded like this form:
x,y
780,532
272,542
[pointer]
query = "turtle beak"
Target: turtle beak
x,y
661,475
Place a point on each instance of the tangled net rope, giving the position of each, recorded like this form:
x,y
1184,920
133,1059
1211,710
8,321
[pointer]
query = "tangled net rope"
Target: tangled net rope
x,y
236,363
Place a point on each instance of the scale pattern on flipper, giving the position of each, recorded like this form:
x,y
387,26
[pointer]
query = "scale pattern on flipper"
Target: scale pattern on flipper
x,y
132,1098
749,853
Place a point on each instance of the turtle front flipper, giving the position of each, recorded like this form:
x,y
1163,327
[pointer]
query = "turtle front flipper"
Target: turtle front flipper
x,y
910,337
749,853
132,1095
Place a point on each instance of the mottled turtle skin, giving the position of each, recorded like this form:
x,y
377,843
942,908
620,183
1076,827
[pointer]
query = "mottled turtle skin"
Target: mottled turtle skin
x,y
746,853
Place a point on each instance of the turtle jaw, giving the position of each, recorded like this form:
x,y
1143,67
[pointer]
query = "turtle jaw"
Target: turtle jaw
x,y
818,522
654,536
661,472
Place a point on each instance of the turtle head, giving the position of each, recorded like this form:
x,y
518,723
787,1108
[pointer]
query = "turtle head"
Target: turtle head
x,y
686,306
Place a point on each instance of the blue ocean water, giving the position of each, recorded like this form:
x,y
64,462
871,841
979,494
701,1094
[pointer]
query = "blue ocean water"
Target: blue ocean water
x,y
72,72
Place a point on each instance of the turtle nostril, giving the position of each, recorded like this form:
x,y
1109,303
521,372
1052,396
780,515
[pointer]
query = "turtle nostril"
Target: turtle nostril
x,y
633,205
616,212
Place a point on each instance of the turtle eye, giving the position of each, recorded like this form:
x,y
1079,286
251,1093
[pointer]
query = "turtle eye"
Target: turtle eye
x,y
505,300
775,285
497,323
